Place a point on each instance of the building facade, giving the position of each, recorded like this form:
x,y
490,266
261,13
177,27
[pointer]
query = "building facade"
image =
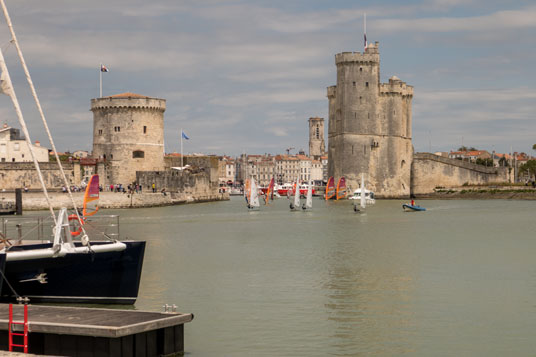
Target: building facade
x,y
14,148
128,134
369,128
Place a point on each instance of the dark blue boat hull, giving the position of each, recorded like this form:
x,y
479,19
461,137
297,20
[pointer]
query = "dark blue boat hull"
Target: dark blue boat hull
x,y
104,278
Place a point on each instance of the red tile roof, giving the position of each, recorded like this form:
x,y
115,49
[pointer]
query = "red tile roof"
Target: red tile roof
x,y
128,95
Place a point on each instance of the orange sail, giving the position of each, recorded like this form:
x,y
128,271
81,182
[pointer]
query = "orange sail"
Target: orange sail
x,y
270,191
247,189
341,188
91,197
330,188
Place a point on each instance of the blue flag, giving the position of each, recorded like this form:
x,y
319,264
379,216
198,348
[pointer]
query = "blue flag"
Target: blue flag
x,y
185,136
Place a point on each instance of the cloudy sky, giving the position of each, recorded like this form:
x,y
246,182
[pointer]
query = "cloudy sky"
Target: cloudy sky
x,y
245,75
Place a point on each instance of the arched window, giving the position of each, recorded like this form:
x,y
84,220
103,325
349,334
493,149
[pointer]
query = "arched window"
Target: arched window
x,y
138,154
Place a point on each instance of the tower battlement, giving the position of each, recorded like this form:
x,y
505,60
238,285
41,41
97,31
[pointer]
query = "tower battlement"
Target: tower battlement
x,y
332,90
396,87
130,101
371,54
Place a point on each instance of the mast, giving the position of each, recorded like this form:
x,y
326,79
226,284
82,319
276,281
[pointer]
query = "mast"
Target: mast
x,y
7,88
42,114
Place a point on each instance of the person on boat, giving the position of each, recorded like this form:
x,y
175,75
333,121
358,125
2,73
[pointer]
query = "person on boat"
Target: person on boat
x,y
413,202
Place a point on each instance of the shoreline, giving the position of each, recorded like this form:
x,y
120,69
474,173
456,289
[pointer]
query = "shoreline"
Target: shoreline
x,y
35,201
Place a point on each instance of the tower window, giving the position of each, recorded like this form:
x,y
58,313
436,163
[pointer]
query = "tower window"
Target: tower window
x,y
360,69
138,154
117,129
100,131
360,100
366,84
353,83
144,129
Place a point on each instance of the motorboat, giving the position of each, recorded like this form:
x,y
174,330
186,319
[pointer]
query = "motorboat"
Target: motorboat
x,y
369,196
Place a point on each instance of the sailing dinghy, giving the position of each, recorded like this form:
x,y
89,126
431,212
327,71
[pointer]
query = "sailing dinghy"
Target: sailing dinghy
x,y
309,198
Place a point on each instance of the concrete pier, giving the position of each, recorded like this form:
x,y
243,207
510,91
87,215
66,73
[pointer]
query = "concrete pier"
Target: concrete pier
x,y
75,331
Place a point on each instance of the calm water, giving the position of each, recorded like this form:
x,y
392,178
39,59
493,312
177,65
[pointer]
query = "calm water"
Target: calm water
x,y
458,279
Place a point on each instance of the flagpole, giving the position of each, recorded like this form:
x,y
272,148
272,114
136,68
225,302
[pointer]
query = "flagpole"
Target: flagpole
x,y
100,81
365,29
182,162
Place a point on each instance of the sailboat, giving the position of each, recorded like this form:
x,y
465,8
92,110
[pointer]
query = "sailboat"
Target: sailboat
x,y
295,205
330,188
96,268
341,189
253,199
362,200
309,198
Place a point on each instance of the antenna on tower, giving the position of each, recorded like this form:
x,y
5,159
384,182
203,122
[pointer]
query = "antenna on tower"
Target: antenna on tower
x,y
365,30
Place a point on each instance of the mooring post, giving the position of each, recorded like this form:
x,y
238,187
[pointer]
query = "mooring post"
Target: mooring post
x,y
18,201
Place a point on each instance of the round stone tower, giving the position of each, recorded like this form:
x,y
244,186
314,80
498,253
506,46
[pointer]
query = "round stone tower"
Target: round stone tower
x,y
317,147
369,128
128,133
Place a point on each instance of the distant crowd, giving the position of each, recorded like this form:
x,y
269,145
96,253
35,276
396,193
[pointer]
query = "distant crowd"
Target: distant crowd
x,y
132,188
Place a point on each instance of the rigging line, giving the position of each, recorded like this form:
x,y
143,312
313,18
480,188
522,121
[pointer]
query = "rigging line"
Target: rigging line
x,y
34,93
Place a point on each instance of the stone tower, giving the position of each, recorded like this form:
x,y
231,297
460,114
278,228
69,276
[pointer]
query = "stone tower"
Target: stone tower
x,y
128,133
317,146
369,128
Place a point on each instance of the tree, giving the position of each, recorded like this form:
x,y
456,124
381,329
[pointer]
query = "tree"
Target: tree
x,y
528,168
484,162
503,162
465,148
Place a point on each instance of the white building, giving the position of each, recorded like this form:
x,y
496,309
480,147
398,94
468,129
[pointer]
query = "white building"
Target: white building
x,y
13,147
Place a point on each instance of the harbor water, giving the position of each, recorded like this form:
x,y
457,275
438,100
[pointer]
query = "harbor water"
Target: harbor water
x,y
456,280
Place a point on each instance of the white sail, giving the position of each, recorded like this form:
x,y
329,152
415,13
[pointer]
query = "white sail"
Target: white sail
x,y
309,200
254,197
297,196
363,202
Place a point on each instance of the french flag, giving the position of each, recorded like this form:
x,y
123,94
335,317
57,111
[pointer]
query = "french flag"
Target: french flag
x,y
103,68
365,41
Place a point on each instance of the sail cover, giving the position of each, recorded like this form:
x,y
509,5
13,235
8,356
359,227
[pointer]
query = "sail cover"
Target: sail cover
x,y
91,197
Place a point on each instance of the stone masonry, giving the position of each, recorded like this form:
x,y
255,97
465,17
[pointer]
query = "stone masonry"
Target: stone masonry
x,y
369,126
317,146
128,133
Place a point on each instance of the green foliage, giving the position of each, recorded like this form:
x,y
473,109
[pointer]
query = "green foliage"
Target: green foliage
x,y
484,162
528,168
503,162
534,147
465,148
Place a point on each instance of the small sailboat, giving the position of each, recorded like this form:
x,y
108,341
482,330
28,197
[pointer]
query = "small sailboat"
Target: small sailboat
x,y
309,198
253,201
295,205
341,189
330,188
362,200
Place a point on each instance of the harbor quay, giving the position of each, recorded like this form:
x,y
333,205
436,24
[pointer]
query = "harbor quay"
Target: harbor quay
x,y
36,201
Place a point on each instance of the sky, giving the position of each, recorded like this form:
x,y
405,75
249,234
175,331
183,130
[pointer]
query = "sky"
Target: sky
x,y
245,76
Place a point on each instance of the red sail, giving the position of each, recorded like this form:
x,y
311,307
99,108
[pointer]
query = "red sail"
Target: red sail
x,y
330,188
91,197
341,188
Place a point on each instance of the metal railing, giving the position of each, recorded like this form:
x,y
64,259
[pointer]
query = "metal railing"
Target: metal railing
x,y
41,228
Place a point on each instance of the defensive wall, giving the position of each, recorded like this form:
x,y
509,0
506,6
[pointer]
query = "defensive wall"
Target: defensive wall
x,y
23,174
430,171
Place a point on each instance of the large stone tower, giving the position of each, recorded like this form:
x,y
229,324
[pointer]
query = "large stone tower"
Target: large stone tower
x,y
317,146
128,133
369,129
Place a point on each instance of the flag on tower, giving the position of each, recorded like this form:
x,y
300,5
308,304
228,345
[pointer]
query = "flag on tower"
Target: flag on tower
x,y
103,68
365,41
184,135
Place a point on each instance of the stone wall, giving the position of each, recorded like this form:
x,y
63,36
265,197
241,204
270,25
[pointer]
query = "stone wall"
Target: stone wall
x,y
23,174
184,185
430,171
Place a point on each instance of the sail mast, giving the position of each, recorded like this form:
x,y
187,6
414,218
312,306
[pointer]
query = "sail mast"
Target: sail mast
x,y
7,88
40,109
